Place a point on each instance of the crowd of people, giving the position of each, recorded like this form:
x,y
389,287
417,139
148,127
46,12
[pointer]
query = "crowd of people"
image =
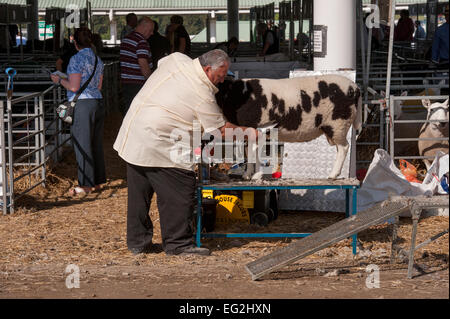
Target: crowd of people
x,y
406,31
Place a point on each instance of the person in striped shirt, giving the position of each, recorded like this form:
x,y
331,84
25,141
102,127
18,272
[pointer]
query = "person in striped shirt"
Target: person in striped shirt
x,y
135,61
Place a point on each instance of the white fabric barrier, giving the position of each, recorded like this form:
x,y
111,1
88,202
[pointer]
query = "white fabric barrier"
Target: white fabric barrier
x,y
384,179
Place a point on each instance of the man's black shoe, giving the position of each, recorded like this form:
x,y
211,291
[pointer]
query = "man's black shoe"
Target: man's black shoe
x,y
153,248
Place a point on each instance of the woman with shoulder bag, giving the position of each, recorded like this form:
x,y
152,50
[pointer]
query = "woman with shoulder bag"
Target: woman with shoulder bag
x,y
89,112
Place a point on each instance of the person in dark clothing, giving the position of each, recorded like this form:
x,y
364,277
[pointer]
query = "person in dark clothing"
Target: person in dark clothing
x,y
159,45
271,44
132,21
135,61
404,29
178,37
13,30
230,47
69,51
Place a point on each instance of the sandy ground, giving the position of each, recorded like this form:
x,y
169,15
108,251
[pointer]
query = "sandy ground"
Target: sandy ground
x,y
50,231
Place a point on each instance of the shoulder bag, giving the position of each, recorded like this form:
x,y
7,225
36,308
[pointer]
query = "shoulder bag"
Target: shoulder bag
x,y
66,109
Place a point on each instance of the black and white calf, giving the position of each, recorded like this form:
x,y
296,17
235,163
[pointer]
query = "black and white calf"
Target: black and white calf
x,y
303,108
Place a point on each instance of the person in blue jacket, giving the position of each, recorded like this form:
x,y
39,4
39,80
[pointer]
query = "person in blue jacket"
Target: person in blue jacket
x,y
440,42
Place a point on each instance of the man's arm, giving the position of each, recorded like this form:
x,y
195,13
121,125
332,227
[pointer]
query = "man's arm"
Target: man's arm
x,y
100,83
227,125
232,126
59,64
266,47
269,42
182,47
145,68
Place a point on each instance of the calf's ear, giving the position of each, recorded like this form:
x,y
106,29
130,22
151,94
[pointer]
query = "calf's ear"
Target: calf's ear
x,y
446,103
426,103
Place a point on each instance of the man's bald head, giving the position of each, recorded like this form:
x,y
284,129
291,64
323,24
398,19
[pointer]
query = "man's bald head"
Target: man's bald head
x,y
145,27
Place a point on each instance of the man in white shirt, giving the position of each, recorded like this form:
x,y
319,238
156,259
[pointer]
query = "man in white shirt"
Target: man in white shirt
x,y
180,92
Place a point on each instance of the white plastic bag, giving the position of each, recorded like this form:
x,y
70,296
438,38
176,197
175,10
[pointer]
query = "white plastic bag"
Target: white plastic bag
x,y
384,179
437,170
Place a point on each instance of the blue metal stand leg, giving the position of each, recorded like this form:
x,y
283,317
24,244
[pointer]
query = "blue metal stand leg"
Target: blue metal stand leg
x,y
355,237
347,203
199,216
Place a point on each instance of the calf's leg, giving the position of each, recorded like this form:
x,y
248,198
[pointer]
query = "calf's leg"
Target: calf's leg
x,y
342,150
249,171
252,162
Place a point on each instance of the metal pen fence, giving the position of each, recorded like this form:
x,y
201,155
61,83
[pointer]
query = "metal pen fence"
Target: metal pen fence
x,y
31,134
111,86
390,127
31,131
417,77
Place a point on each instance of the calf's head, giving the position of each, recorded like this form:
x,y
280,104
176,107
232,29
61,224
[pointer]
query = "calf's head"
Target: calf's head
x,y
241,101
437,111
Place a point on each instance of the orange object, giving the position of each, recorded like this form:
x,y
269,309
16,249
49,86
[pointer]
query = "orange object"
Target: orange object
x,y
276,175
409,171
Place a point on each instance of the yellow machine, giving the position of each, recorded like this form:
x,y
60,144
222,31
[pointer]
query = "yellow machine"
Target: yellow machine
x,y
250,207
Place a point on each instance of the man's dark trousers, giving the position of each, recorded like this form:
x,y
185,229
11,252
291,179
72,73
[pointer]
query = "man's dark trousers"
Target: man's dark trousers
x,y
129,91
175,190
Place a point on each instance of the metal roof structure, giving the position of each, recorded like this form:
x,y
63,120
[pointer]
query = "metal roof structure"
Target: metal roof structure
x,y
168,4
148,4
244,34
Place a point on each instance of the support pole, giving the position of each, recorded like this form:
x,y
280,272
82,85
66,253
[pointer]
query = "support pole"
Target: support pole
x,y
3,177
33,28
8,43
233,18
10,155
394,245
21,43
415,218
112,27
291,32
369,54
332,19
362,31
389,66
300,31
212,28
251,26
208,29
391,47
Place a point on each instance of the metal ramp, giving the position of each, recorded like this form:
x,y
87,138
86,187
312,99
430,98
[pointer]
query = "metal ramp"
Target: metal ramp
x,y
337,232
